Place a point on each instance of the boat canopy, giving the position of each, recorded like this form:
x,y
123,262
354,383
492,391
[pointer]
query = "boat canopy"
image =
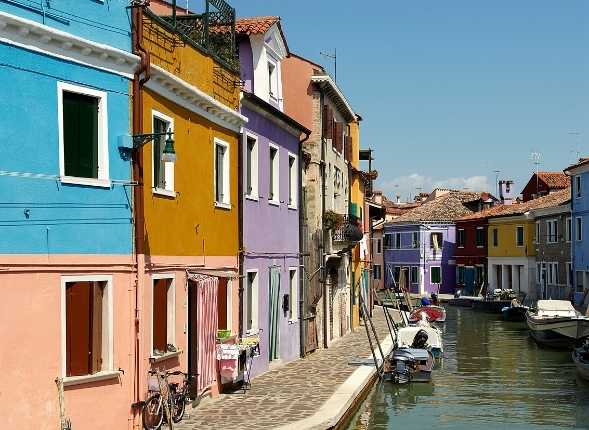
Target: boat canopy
x,y
561,308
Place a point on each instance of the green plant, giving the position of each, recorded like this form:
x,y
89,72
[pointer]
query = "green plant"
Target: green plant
x,y
332,220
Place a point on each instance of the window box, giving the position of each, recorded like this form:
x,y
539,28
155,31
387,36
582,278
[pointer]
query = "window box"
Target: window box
x,y
165,356
69,381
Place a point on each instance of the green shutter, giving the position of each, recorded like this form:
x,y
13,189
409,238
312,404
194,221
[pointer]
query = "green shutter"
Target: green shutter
x,y
80,135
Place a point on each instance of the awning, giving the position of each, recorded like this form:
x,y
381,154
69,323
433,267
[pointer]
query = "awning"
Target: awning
x,y
195,274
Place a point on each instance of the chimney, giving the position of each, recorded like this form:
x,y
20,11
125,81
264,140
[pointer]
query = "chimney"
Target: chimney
x,y
398,199
506,191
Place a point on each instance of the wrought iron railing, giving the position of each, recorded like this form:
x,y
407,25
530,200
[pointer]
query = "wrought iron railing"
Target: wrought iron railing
x,y
349,231
212,31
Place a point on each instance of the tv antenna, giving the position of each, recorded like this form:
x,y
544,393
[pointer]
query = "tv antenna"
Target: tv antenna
x,y
332,56
536,158
576,136
497,182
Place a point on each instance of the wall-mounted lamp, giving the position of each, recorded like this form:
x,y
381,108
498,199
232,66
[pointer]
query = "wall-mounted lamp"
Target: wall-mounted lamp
x,y
139,140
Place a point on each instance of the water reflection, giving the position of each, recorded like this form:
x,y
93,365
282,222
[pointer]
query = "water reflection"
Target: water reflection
x,y
493,376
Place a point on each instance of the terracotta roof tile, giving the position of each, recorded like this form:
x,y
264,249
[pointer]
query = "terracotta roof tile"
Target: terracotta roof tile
x,y
554,180
556,198
446,208
255,24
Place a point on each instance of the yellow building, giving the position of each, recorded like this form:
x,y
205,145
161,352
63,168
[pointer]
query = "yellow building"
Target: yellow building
x,y
187,215
360,274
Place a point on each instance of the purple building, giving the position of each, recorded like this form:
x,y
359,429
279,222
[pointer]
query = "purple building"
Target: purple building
x,y
419,245
270,196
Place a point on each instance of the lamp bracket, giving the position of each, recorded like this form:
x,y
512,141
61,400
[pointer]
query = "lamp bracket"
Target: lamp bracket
x,y
140,140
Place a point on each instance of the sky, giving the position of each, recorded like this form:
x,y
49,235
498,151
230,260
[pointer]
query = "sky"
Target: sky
x,y
452,90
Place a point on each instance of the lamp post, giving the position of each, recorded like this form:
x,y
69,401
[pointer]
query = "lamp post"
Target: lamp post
x,y
140,140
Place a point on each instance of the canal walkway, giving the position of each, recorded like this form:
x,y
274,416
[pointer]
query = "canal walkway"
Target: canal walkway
x,y
313,392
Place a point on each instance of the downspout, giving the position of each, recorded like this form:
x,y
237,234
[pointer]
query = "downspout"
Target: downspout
x,y
322,243
302,295
137,165
240,227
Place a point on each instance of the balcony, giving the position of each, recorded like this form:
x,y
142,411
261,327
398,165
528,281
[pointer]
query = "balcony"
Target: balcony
x,y
348,232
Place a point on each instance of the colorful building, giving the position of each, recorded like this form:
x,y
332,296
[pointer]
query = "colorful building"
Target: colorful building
x,y
66,265
544,183
188,206
579,175
270,197
420,245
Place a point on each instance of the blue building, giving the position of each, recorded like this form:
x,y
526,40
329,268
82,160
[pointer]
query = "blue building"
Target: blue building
x,y
579,174
66,224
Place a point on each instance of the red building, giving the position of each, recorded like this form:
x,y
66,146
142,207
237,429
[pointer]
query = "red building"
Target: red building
x,y
544,183
471,253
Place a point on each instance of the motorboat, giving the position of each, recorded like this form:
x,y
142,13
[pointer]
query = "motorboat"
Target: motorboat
x,y
495,301
556,323
405,365
581,359
429,336
515,311
433,313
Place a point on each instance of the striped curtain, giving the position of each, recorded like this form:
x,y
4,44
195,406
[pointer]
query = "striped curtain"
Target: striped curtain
x,y
207,293
274,312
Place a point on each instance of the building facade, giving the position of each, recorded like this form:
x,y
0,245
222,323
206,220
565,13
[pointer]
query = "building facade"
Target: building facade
x,y
67,232
544,183
271,175
471,254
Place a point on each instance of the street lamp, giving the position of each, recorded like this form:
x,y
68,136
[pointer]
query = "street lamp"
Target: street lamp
x,y
139,140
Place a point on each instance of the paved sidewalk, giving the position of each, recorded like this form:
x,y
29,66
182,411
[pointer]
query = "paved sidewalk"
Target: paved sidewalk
x,y
290,393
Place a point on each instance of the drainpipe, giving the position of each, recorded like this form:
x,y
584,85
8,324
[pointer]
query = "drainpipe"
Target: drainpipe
x,y
240,227
302,295
322,243
137,165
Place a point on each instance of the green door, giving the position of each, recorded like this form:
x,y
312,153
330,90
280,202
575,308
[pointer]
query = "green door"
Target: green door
x,y
273,312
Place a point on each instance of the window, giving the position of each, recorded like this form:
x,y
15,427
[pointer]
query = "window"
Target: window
x,y
415,239
552,228
539,273
293,303
292,181
398,240
578,186
495,237
251,168
87,333
550,279
222,197
272,80
414,275
83,135
579,280
479,275
435,275
224,296
569,229
163,315
579,229
273,194
519,236
480,237
162,172
377,271
460,275
397,274
460,238
378,246
388,241
569,275
436,241
251,308
537,238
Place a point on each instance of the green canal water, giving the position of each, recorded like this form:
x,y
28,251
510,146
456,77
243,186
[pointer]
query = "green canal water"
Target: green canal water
x,y
492,376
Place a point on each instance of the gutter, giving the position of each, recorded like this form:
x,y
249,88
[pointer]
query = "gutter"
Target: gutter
x,y
302,295
322,243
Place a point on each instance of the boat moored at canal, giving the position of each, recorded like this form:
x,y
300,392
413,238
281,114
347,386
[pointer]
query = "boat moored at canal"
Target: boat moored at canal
x,y
556,323
406,365
581,359
433,313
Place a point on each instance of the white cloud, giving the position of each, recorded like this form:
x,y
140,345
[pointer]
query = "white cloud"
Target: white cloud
x,y
408,186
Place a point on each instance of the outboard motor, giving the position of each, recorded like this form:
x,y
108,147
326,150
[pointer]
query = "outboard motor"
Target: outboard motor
x,y
420,340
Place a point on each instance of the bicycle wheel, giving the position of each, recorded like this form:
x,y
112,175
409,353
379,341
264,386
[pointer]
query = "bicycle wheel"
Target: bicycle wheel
x,y
153,413
179,407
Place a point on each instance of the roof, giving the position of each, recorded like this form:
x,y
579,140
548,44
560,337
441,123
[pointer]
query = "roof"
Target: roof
x,y
446,208
327,84
257,101
556,198
554,180
255,24
580,163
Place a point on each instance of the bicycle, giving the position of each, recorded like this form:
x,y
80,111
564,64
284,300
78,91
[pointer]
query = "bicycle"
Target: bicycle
x,y
166,400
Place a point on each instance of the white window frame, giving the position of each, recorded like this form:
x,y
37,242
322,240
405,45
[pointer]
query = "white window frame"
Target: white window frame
x,y
399,241
578,229
415,243
255,301
568,229
569,273
273,79
431,273
463,237
276,175
538,232
517,227
109,371
476,236
293,286
414,279
578,186
226,203
171,314
551,226
254,194
169,166
539,273
294,177
377,272
103,179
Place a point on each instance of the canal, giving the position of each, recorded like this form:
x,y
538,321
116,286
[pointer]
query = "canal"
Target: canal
x,y
492,376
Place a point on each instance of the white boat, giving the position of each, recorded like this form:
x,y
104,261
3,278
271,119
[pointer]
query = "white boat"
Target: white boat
x,y
406,337
556,323
581,359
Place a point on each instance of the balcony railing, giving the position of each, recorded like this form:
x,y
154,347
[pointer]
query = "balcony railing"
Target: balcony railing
x,y
348,231
212,31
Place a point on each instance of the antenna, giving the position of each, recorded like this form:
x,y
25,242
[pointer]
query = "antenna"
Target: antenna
x,y
497,182
536,158
576,137
332,56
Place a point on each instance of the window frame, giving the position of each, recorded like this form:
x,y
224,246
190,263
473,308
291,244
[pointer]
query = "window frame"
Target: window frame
x,y
431,271
255,327
226,203
570,273
103,179
171,319
460,238
273,78
523,230
254,194
440,242
168,175
275,171
398,241
293,290
578,186
293,178
483,236
495,238
414,279
415,243
568,229
552,231
378,246
578,229
538,232
376,272
460,270
108,293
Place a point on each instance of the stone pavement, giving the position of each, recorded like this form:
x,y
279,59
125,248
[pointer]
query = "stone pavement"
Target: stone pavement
x,y
287,394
